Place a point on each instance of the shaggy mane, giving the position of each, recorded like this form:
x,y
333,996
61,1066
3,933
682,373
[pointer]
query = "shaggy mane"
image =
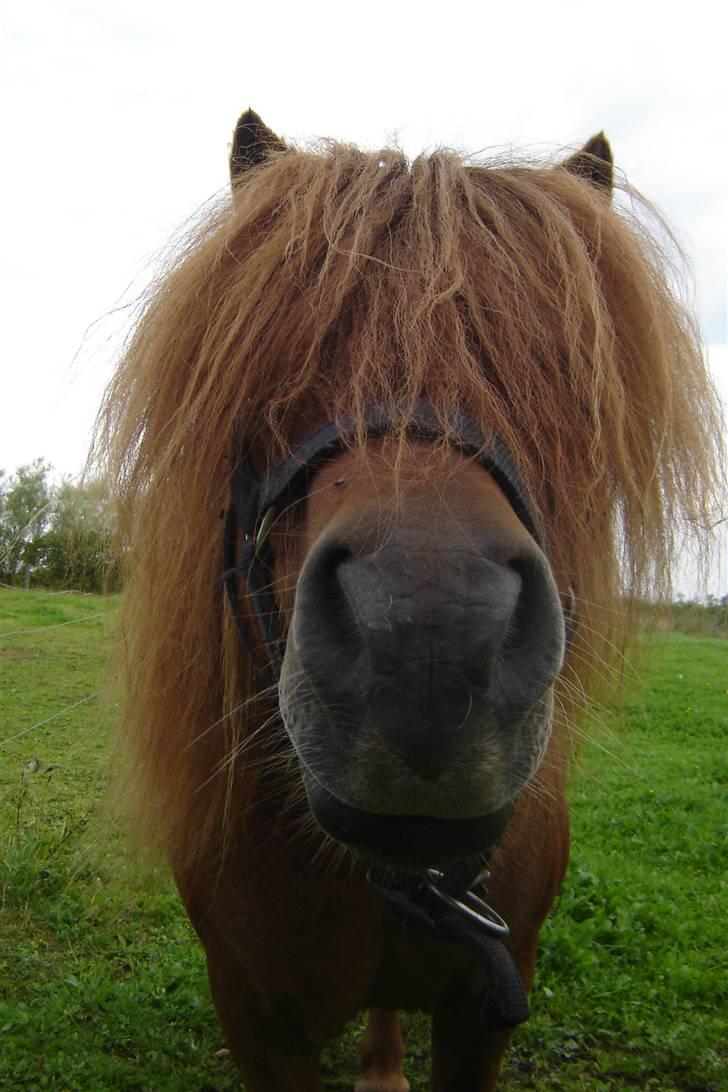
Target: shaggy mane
x,y
329,282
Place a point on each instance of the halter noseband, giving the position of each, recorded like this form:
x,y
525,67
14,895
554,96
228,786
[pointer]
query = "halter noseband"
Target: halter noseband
x,y
256,501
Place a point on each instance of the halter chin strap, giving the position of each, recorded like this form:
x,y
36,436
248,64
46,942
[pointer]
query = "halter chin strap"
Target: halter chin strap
x,y
255,502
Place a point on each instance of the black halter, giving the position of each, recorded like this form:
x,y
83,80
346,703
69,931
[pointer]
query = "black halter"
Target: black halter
x,y
442,904
255,502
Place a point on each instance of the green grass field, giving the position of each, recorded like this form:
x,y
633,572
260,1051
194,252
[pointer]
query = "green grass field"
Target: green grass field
x,y
102,984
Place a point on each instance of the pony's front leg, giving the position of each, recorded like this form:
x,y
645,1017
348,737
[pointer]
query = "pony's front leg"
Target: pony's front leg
x,y
466,1057
382,1052
269,1047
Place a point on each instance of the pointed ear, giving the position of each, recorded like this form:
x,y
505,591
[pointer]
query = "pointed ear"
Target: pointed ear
x,y
594,163
252,142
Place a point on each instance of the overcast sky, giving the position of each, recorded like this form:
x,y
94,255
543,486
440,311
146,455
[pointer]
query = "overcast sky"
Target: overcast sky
x,y
118,118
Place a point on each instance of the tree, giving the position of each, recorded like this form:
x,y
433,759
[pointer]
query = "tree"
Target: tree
x,y
78,548
57,535
24,517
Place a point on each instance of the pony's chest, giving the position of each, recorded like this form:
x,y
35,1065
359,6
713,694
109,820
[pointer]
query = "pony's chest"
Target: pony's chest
x,y
416,971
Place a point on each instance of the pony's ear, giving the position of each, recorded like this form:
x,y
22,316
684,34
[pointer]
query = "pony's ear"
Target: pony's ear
x,y
594,163
252,142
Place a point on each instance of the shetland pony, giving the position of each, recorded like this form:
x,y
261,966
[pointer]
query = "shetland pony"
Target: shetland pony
x,y
442,416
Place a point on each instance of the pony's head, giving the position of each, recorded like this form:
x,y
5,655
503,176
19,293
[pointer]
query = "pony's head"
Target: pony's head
x,y
452,412
414,624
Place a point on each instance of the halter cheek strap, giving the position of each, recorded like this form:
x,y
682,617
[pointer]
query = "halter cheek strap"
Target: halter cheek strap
x,y
255,503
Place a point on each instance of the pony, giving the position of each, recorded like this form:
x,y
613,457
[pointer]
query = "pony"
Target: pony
x,y
395,444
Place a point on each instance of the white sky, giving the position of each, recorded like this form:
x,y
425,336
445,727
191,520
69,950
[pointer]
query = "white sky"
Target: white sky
x,y
118,118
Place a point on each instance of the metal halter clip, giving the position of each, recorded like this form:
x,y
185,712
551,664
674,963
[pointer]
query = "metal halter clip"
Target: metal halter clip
x,y
468,904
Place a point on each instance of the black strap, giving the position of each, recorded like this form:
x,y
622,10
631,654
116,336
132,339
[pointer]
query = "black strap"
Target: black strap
x,y
291,476
255,502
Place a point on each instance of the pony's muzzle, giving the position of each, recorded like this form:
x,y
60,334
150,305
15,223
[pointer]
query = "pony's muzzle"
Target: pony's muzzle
x,y
414,689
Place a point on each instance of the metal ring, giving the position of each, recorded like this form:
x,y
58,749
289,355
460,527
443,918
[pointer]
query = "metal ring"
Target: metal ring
x,y
479,913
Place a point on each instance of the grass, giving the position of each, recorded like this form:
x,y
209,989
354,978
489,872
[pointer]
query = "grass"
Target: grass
x,y
103,986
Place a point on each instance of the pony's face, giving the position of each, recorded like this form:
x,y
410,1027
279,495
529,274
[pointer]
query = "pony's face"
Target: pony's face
x,y
425,634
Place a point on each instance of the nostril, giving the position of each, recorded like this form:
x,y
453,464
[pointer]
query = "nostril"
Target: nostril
x,y
328,563
534,641
524,565
519,621
320,587
325,627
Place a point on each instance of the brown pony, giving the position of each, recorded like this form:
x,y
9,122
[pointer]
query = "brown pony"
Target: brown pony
x,y
453,414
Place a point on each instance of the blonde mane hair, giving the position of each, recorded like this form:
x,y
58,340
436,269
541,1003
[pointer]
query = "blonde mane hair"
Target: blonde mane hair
x,y
334,280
